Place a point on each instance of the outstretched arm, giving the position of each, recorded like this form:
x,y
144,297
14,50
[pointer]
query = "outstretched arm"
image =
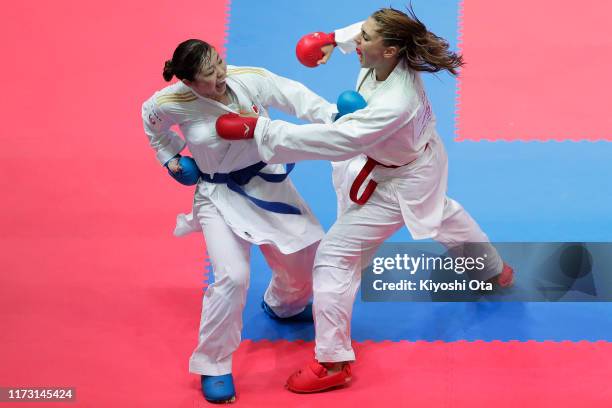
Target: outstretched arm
x,y
282,142
285,94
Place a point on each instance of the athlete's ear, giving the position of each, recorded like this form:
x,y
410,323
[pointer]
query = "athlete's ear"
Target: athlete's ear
x,y
391,52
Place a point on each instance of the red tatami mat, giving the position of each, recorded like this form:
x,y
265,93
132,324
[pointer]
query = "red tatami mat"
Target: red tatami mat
x,y
535,70
459,374
95,292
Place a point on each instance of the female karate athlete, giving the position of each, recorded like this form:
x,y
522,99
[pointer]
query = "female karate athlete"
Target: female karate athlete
x,y
394,141
239,200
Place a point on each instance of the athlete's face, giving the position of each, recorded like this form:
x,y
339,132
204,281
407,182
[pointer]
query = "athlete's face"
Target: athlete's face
x,y
210,80
370,48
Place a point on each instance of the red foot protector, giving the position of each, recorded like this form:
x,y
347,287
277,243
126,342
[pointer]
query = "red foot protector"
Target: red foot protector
x,y
315,378
506,278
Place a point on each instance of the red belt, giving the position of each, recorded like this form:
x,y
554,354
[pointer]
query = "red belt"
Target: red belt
x,y
363,174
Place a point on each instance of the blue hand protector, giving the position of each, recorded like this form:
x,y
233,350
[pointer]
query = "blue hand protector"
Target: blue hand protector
x,y
349,102
189,173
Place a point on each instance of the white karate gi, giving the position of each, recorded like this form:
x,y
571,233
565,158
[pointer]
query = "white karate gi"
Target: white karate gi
x,y
230,222
396,128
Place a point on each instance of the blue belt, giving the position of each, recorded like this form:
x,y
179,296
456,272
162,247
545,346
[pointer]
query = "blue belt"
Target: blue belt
x,y
238,178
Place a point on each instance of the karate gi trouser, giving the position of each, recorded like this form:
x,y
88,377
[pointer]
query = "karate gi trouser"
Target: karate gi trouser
x,y
288,293
352,242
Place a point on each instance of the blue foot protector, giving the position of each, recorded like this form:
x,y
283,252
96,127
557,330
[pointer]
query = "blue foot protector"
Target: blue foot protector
x,y
304,316
218,388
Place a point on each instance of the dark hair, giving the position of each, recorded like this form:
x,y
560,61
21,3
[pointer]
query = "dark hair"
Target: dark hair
x,y
187,60
422,49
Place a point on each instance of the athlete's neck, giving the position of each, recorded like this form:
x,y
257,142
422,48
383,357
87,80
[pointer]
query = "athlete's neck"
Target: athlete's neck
x,y
384,70
224,99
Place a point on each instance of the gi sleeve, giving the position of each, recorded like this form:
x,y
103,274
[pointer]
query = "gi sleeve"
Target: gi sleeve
x,y
282,142
162,139
293,98
345,37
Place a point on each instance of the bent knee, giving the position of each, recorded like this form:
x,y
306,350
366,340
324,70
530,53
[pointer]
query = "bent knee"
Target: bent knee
x,y
233,282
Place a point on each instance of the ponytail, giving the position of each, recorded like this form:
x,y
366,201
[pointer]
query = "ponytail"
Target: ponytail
x,y
168,72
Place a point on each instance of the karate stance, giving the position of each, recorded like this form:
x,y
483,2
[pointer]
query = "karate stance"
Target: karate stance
x,y
394,141
239,200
